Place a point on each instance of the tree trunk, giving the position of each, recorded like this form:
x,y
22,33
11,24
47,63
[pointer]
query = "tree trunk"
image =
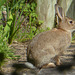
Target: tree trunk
x,y
68,6
46,12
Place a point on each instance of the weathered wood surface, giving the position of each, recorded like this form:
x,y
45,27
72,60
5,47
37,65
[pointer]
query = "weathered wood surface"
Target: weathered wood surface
x,y
67,68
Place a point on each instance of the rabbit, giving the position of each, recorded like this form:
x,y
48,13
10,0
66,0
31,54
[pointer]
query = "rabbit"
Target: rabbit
x,y
45,48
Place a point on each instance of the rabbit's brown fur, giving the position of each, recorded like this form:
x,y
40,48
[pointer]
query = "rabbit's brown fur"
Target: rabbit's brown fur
x,y
47,46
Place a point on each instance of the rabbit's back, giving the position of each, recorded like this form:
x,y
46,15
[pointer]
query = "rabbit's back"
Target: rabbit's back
x,y
54,37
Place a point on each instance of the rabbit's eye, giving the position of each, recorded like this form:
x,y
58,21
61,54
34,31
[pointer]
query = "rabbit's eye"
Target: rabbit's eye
x,y
70,21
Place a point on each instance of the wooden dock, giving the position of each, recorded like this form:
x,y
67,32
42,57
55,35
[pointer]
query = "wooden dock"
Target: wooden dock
x,y
67,68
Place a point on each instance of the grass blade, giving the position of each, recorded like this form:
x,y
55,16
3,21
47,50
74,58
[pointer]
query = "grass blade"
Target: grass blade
x,y
15,5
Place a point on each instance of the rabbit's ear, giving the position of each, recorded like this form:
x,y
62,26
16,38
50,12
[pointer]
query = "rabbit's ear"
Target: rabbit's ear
x,y
59,11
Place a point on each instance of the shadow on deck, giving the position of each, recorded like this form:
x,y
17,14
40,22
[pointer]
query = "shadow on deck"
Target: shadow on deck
x,y
67,68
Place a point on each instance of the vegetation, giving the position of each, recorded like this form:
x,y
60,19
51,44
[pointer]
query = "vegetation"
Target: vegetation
x,y
5,51
18,21
21,21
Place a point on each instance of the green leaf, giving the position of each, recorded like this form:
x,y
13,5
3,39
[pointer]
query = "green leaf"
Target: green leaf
x,y
9,20
28,5
16,4
33,28
2,2
40,22
20,16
